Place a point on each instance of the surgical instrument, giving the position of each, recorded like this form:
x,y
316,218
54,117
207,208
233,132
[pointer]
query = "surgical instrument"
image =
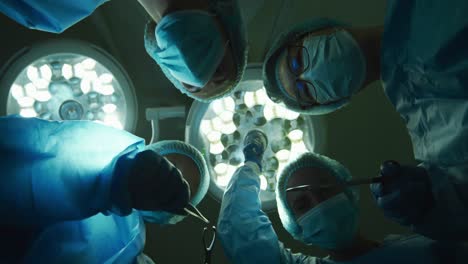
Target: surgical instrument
x,y
193,211
342,184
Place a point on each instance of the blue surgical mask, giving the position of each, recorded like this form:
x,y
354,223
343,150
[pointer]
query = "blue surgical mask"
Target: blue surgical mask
x,y
337,67
189,45
331,225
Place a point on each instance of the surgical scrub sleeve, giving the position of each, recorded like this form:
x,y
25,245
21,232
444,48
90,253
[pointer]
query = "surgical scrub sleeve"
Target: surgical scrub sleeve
x,y
49,15
248,236
245,230
425,76
61,179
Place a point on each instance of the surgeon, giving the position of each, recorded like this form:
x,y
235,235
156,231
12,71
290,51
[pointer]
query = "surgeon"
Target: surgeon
x,y
200,45
79,192
421,56
326,218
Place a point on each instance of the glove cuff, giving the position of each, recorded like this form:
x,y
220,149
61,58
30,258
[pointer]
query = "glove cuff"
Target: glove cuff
x,y
119,171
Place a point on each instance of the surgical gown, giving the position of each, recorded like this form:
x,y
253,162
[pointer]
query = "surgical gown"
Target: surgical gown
x,y
247,234
424,63
62,194
49,15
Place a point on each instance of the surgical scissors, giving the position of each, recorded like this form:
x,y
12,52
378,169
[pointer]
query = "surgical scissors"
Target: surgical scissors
x,y
208,244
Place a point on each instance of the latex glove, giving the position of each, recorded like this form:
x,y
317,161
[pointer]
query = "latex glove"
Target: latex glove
x,y
156,185
404,194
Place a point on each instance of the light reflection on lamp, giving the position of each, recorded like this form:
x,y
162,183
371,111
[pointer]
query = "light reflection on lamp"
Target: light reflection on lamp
x,y
67,71
26,102
43,96
107,89
30,90
32,73
88,64
216,147
78,70
109,108
263,183
46,72
28,112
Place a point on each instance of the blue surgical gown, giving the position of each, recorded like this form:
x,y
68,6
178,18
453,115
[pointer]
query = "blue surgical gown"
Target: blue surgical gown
x,y
49,15
424,64
247,235
62,195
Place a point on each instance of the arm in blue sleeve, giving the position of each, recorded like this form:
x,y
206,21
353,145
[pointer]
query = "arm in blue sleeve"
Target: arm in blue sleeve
x,y
244,229
56,171
49,15
448,220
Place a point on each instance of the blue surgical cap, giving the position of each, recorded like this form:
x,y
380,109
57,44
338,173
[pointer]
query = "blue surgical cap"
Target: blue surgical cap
x,y
228,13
167,147
308,160
272,84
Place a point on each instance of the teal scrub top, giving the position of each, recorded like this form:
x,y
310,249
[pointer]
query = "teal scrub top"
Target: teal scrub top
x,y
49,15
424,71
63,197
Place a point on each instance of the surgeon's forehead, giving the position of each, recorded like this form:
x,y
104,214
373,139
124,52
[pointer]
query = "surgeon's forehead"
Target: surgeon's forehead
x,y
310,176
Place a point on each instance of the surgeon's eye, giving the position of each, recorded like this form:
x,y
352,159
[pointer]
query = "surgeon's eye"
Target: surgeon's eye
x,y
295,61
304,89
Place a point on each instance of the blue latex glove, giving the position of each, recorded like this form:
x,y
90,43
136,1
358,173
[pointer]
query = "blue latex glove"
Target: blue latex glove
x,y
156,185
405,193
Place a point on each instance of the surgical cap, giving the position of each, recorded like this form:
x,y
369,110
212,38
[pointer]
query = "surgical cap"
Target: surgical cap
x,y
304,161
201,49
270,75
167,147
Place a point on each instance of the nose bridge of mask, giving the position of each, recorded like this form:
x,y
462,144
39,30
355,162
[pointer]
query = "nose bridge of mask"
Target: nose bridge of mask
x,y
339,69
322,218
323,207
318,51
331,224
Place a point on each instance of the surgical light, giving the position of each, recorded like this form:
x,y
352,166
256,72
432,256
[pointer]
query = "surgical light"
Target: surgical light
x,y
218,129
70,80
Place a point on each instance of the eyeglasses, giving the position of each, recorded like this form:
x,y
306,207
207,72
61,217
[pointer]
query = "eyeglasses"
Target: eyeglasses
x,y
316,190
297,65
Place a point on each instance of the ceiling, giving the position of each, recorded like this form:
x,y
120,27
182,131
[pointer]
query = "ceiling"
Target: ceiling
x,y
361,136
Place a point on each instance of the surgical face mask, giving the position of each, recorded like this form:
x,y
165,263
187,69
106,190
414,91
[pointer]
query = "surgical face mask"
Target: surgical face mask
x,y
336,66
189,45
331,225
161,217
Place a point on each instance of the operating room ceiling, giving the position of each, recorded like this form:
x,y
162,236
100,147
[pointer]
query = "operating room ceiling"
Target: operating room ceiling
x,y
361,135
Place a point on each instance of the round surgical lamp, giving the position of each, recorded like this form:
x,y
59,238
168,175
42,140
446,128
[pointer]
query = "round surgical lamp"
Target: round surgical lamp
x,y
218,128
69,80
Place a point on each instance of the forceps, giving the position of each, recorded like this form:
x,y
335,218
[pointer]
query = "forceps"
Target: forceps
x,y
208,244
193,211
344,184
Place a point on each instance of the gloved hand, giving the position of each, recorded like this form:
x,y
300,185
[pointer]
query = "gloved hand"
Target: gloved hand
x,y
404,194
155,184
